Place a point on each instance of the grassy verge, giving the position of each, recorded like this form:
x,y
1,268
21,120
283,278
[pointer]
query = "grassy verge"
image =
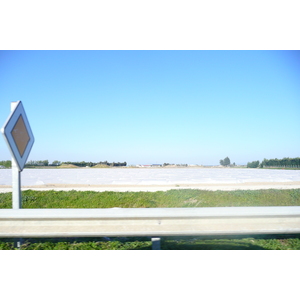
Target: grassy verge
x,y
172,198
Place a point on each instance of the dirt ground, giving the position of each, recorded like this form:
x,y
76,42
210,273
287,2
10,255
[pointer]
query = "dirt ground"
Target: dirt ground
x,y
153,188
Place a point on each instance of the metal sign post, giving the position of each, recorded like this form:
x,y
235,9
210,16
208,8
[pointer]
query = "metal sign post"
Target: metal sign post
x,y
16,186
19,138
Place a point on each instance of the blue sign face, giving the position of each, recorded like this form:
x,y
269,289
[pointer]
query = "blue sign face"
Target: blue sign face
x,y
18,135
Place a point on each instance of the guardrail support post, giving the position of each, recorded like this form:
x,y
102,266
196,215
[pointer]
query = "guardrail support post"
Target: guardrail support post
x,y
18,243
155,243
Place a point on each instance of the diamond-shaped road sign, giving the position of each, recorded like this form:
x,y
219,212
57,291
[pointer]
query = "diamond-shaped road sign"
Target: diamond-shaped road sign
x,y
18,135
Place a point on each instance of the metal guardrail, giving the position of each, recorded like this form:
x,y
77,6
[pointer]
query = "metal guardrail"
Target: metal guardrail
x,y
152,222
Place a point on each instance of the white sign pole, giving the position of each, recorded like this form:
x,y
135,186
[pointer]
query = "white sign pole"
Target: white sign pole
x,y
16,176
16,186
16,194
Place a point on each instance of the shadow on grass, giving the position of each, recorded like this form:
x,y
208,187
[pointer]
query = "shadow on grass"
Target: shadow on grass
x,y
127,244
233,242
209,245
258,242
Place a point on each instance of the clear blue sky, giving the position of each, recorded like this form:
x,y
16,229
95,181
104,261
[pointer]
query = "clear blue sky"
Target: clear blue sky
x,y
144,107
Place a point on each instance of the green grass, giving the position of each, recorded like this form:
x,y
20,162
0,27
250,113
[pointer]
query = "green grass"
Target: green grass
x,y
172,198
79,244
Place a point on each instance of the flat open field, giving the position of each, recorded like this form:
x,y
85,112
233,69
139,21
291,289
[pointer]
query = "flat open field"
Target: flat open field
x,y
152,179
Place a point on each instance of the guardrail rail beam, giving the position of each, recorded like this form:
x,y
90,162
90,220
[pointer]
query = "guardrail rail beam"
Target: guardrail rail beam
x,y
152,222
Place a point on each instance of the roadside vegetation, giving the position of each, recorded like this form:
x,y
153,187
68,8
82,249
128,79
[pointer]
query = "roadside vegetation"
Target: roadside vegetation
x,y
172,198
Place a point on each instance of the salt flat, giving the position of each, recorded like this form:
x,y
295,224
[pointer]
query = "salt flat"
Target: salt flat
x,y
152,179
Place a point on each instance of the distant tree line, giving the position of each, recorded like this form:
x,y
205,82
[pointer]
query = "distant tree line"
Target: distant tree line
x,y
79,164
91,164
41,163
45,163
285,162
35,163
5,163
30,163
253,164
113,164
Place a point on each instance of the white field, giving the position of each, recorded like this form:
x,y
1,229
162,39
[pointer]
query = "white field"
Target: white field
x,y
151,179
